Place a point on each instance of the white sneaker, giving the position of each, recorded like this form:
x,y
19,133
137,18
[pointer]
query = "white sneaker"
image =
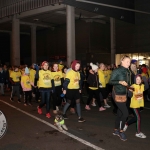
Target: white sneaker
x,y
93,104
140,135
87,107
64,127
107,106
125,127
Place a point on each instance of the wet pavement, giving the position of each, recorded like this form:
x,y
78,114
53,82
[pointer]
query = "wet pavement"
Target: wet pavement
x,y
27,130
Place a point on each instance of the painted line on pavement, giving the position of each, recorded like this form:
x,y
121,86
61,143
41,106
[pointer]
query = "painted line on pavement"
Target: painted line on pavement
x,y
52,126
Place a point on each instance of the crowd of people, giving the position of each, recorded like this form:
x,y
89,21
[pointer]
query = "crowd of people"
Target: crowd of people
x,y
57,85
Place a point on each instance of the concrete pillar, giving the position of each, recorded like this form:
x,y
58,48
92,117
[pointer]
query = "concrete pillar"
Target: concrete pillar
x,y
33,44
113,40
15,41
70,34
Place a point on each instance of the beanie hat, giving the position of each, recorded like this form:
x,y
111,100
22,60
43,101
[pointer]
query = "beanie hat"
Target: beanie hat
x,y
27,70
133,61
44,62
144,70
74,64
94,67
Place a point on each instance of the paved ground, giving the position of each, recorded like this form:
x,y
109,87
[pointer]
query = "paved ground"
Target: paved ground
x,y
29,131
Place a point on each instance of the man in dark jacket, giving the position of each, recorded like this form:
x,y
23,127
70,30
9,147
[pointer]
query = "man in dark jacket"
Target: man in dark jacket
x,y
2,80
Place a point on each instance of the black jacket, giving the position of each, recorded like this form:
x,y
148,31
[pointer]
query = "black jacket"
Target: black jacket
x,y
93,81
2,77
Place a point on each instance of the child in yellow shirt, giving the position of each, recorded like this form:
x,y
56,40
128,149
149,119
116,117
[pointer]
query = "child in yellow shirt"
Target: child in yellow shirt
x,y
26,85
137,101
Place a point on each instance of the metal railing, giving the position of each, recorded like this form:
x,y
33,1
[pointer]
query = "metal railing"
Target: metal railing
x,y
11,7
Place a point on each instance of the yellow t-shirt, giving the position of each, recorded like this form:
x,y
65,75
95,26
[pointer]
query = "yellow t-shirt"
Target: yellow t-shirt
x,y
15,76
109,72
45,78
60,67
101,77
32,75
137,99
64,75
106,76
144,75
93,88
25,80
57,77
74,79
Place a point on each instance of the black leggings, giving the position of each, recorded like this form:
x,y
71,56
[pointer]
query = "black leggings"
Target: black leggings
x,y
122,114
136,118
96,94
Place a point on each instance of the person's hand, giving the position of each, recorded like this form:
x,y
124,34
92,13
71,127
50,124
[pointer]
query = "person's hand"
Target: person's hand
x,y
123,83
64,92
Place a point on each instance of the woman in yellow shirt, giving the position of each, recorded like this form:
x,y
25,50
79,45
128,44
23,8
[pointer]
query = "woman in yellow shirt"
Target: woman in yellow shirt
x,y
72,89
58,82
137,101
102,81
45,85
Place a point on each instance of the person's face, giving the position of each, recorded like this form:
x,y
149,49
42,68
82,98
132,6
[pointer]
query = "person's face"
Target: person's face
x,y
126,62
77,67
55,67
61,62
108,67
45,66
96,70
0,69
16,69
138,80
65,70
102,67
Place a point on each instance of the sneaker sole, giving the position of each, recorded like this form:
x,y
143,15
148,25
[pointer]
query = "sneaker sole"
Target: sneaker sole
x,y
81,121
141,137
116,134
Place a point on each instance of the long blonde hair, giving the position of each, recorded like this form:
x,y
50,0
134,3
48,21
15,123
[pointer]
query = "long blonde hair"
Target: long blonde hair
x,y
133,68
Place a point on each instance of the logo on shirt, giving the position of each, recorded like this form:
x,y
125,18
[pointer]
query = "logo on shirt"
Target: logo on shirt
x,y
46,79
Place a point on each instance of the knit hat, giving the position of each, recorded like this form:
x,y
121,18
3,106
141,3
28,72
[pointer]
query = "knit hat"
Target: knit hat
x,y
74,64
27,70
94,67
133,61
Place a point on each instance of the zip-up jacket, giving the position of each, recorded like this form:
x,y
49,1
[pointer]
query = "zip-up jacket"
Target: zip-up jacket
x,y
93,80
120,74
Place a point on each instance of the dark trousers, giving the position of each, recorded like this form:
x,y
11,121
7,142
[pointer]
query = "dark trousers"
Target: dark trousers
x,y
122,114
96,94
56,97
28,96
15,89
45,95
136,118
37,94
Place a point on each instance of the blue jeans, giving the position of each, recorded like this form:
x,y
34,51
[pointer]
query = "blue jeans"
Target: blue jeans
x,y
45,95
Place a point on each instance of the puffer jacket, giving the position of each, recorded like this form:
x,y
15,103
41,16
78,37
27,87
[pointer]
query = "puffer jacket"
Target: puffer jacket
x,y
120,74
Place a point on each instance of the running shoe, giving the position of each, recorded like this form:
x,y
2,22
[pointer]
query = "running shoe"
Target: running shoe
x,y
87,107
12,99
93,104
65,116
39,110
102,109
81,119
125,127
122,136
48,115
107,106
116,132
19,101
140,135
